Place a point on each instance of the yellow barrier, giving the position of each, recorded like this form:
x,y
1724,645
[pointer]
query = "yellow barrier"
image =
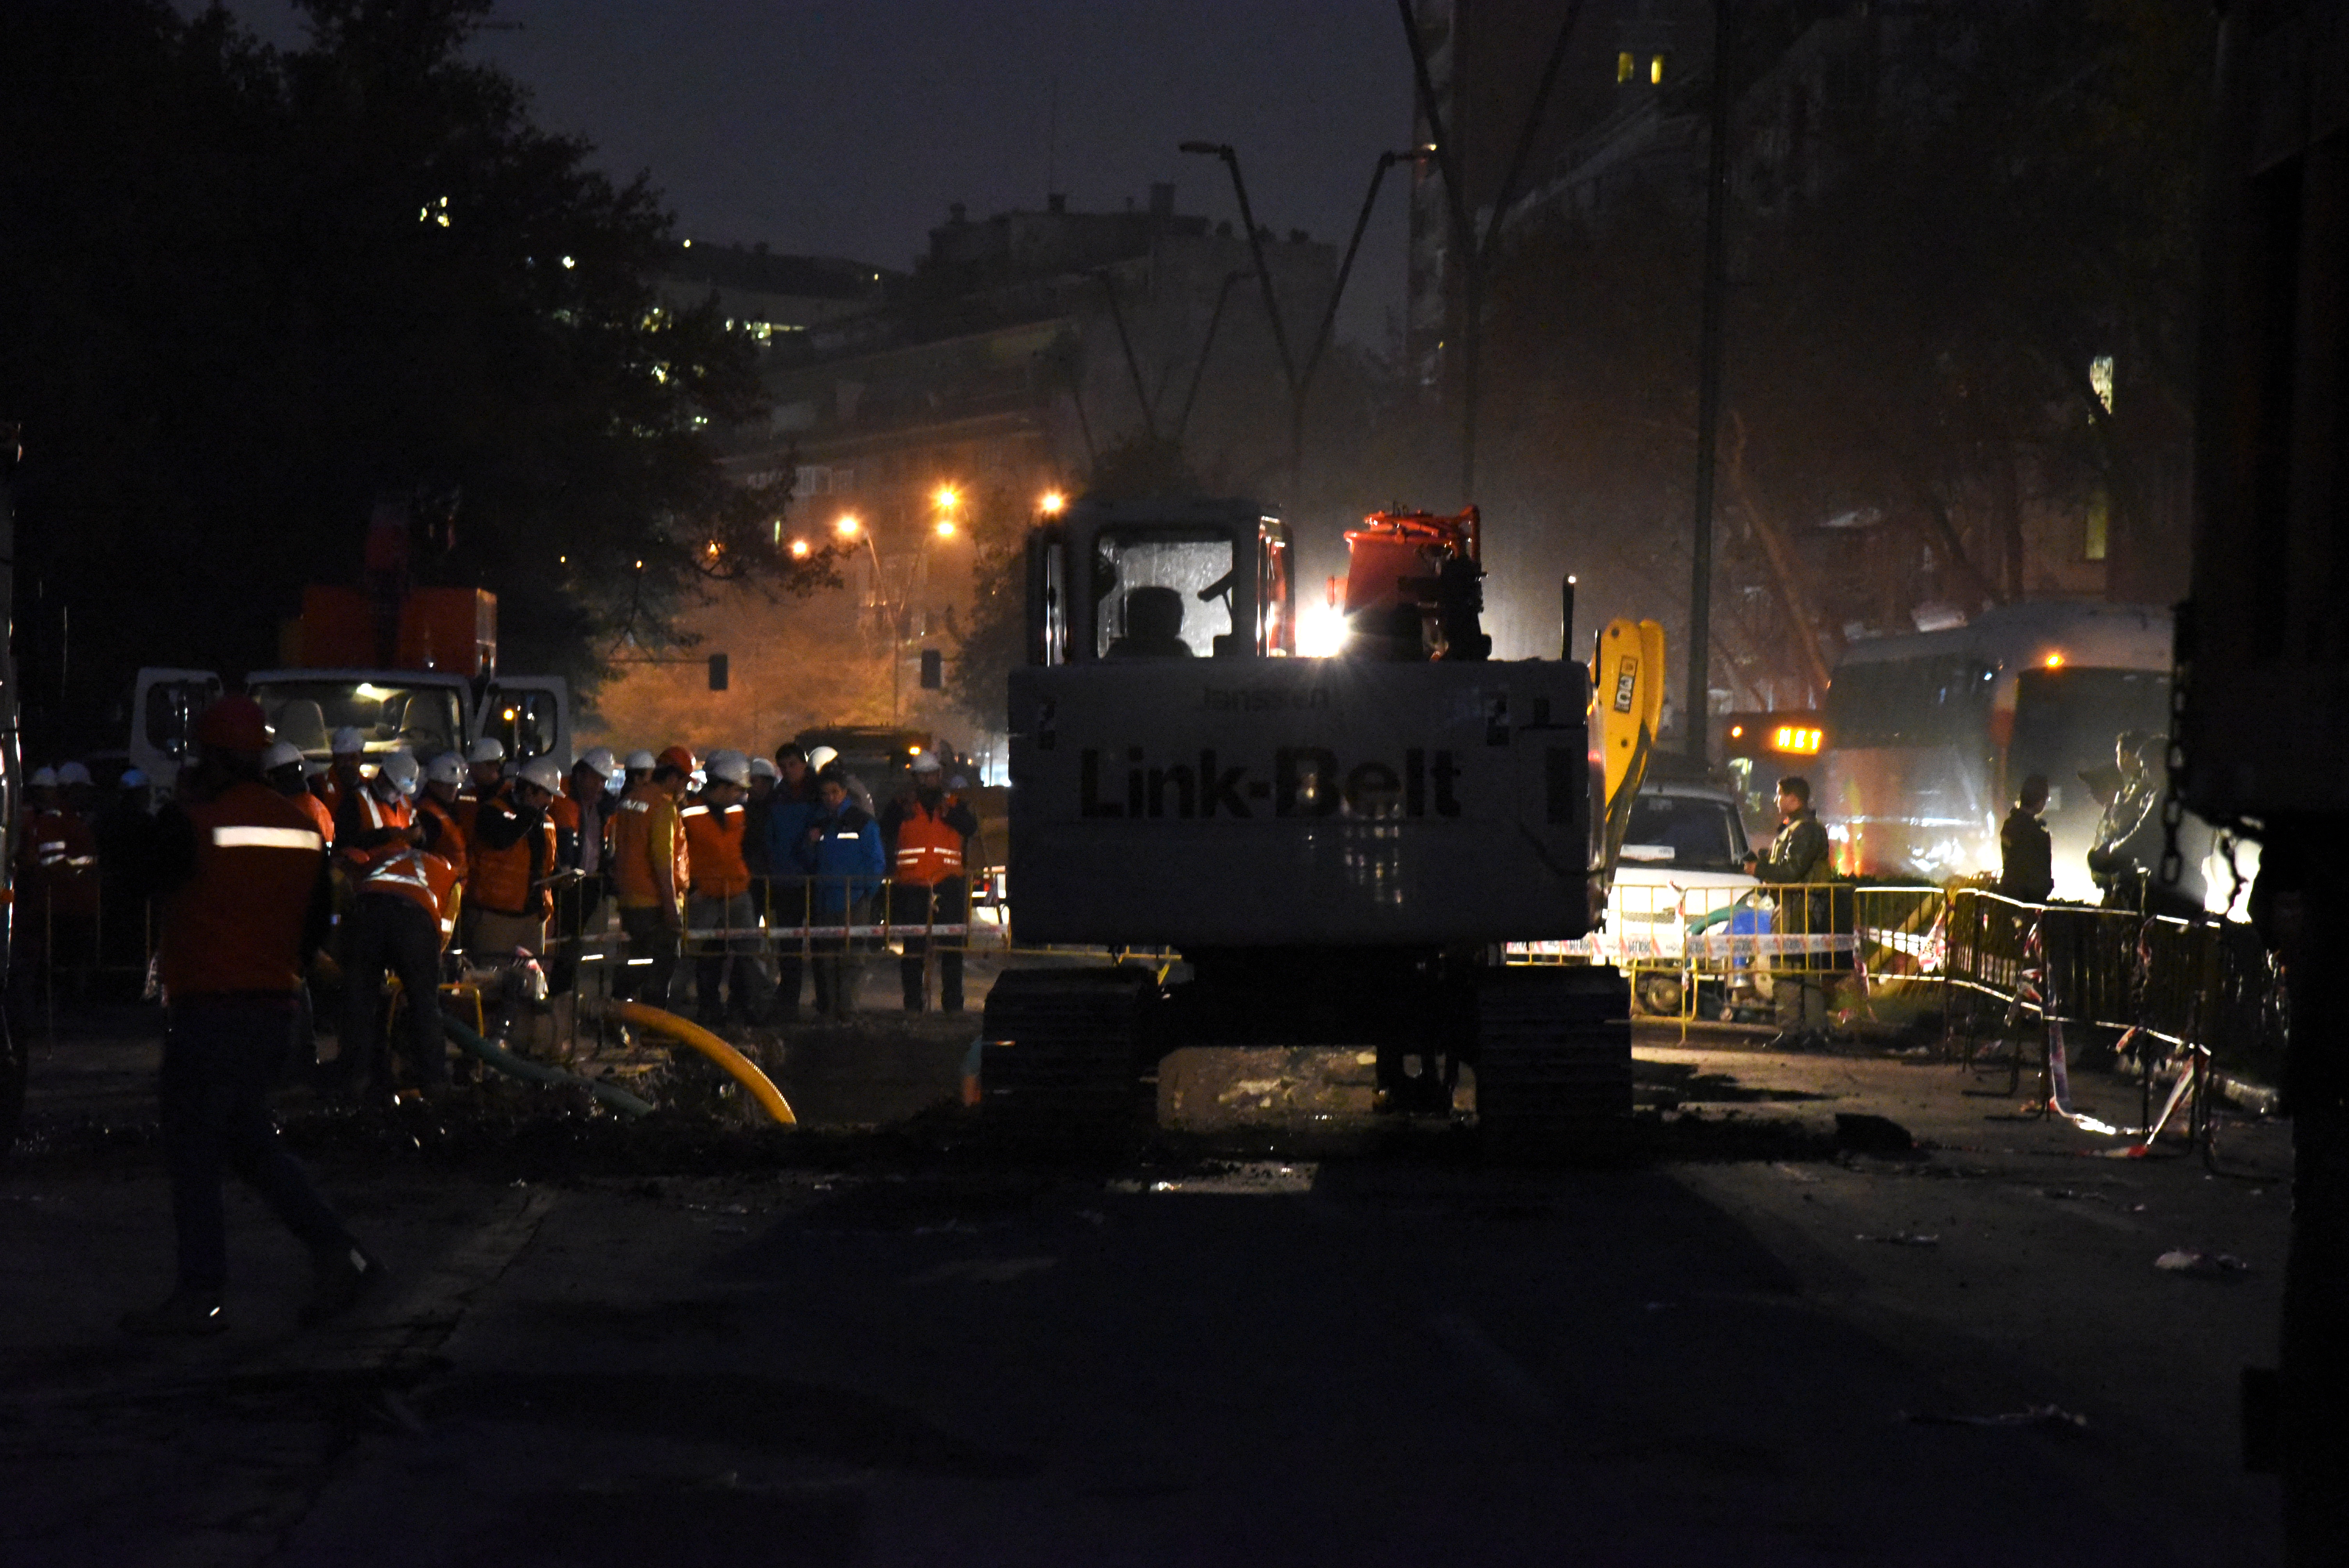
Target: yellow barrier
x,y
737,1066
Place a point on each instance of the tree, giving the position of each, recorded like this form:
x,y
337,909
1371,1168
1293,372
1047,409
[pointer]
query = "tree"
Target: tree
x,y
255,289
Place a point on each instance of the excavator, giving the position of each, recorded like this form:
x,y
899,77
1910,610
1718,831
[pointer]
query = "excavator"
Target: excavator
x,y
1339,849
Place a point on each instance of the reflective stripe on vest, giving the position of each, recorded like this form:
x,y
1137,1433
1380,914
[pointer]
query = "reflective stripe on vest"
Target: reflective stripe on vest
x,y
928,850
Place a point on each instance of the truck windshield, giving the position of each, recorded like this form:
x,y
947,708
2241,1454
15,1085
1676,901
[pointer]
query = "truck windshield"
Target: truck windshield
x,y
1687,832
1937,701
1146,587
424,720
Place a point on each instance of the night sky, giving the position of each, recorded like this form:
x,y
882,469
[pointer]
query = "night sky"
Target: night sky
x,y
846,129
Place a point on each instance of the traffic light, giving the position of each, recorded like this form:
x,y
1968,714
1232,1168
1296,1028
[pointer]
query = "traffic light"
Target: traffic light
x,y
717,671
934,669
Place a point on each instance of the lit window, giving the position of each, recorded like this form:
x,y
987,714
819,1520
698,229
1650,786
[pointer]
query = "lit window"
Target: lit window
x,y
1625,66
1656,70
2097,537
2100,379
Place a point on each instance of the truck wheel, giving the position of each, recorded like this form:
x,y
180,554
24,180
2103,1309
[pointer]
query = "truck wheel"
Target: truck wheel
x,y
1064,1054
1553,1054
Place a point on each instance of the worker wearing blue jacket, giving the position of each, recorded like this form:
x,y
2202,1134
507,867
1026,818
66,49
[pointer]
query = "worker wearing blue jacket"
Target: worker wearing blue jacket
x,y
841,851
789,809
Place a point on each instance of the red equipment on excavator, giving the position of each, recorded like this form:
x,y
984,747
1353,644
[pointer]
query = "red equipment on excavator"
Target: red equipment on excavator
x,y
1415,586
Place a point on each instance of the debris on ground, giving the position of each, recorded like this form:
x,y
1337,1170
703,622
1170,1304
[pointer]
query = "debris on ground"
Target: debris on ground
x,y
2030,1416
1903,1238
1865,1134
2202,1265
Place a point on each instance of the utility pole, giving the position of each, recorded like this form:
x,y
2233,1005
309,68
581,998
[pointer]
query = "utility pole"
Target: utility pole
x,y
1696,706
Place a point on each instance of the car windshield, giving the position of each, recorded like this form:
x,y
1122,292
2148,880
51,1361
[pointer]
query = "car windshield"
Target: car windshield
x,y
1687,832
422,720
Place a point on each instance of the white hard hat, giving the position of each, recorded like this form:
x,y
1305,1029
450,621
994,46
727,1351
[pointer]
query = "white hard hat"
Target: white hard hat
x,y
399,769
346,742
489,748
73,773
132,779
762,768
599,761
729,767
446,768
43,779
640,761
546,772
822,757
280,753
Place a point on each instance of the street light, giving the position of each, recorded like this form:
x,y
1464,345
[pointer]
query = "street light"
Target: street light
x,y
801,549
847,525
1052,503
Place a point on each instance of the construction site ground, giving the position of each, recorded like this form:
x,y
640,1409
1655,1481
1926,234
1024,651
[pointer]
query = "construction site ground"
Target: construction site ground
x,y
1285,1329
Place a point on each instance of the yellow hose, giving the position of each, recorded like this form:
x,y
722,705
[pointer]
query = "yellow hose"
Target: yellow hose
x,y
739,1068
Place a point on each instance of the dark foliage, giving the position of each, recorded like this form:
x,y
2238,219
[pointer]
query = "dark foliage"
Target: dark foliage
x,y
251,290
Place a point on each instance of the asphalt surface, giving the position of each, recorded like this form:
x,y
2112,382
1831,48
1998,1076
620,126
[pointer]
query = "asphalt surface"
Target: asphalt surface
x,y
1285,1331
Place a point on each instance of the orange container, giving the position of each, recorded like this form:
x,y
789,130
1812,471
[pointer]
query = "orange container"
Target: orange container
x,y
453,630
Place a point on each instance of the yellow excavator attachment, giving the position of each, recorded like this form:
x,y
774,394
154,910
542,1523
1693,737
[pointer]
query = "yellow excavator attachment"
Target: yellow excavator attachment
x,y
1627,687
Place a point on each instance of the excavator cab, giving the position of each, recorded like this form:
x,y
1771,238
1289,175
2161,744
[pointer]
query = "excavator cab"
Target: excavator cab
x,y
1167,579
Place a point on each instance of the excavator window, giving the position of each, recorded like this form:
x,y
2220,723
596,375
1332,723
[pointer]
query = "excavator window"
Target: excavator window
x,y
1162,592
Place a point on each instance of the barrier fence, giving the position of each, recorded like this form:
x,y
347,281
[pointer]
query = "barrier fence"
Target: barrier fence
x,y
1713,952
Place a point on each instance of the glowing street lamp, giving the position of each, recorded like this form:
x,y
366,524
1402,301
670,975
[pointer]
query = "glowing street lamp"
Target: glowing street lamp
x,y
801,549
945,529
1052,503
847,525
947,498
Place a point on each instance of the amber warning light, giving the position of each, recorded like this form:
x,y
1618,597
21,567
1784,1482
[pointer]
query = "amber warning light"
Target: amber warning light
x,y
1795,738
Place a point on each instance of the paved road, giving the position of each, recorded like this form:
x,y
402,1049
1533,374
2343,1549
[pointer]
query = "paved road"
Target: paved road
x,y
1285,1335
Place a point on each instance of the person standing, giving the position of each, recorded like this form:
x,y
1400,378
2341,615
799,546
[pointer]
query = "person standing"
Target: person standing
x,y
241,874
924,829
789,810
2026,855
485,770
651,869
583,822
344,777
282,767
397,914
1798,859
719,913
842,854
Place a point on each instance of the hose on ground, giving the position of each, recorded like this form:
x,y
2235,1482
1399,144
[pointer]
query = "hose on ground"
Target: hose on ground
x,y
735,1065
505,1061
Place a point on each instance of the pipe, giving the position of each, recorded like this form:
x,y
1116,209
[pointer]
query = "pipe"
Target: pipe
x,y
737,1066
505,1061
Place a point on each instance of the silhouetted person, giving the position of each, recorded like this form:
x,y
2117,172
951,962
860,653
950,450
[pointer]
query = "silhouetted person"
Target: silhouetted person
x,y
2026,855
1154,626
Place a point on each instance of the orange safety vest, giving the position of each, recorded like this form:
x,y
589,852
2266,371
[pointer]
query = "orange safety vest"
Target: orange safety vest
x,y
398,868
320,813
645,832
929,848
500,880
451,845
236,924
713,836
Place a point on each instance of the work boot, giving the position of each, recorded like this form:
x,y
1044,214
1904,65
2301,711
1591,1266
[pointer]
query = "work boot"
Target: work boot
x,y
343,1274
182,1315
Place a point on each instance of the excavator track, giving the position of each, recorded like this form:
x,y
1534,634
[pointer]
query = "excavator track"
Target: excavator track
x,y
1553,1053
1063,1053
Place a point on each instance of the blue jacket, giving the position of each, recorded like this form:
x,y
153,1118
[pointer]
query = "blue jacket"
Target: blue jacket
x,y
788,818
846,860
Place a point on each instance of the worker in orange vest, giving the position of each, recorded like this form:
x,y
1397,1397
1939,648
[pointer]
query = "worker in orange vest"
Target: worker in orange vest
x,y
651,870
926,829
718,914
241,872
399,919
344,775
485,770
514,855
282,767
